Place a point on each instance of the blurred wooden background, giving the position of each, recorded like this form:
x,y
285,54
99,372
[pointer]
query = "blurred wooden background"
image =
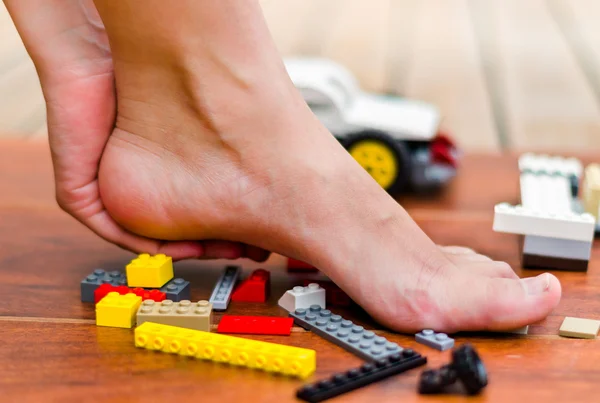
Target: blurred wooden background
x,y
506,74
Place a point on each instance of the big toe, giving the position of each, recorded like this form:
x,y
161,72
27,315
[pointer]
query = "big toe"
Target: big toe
x,y
494,303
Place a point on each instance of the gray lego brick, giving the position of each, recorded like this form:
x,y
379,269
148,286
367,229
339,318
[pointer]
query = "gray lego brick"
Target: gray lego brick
x,y
439,341
559,248
353,338
177,290
222,292
96,279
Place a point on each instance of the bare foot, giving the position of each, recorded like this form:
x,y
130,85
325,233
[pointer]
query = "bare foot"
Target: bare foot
x,y
212,141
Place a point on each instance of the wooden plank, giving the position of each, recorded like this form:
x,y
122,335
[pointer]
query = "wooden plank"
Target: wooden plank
x,y
549,103
445,70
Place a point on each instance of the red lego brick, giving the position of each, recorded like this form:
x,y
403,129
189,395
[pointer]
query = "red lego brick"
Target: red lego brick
x,y
255,325
254,289
334,296
154,295
298,265
104,289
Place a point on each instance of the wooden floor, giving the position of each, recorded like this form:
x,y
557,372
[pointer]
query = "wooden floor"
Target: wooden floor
x,y
506,74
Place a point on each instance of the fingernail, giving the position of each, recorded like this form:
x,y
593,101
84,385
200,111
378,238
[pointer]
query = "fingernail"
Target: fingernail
x,y
536,285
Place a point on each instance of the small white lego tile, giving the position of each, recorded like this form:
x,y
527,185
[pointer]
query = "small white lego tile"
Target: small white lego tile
x,y
303,297
520,220
579,328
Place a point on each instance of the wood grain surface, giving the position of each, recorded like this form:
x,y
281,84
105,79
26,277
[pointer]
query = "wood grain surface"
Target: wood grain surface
x,y
51,350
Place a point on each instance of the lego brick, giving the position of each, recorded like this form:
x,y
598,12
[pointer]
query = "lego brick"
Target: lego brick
x,y
590,191
560,248
545,262
154,295
579,328
96,279
177,290
353,338
303,297
104,289
294,265
366,374
269,357
546,194
222,292
334,296
117,310
550,165
255,325
149,271
253,289
520,220
439,341
186,314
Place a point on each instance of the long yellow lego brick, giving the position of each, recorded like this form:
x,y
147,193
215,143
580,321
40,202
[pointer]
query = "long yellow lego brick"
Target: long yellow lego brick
x,y
269,357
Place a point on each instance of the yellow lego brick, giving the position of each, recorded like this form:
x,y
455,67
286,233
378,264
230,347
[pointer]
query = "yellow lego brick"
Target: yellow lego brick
x,y
269,357
149,271
117,310
591,190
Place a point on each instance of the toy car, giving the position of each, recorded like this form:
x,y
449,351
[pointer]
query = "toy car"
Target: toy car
x,y
395,139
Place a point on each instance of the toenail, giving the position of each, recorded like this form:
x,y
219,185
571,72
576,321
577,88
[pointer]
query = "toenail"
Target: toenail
x,y
536,285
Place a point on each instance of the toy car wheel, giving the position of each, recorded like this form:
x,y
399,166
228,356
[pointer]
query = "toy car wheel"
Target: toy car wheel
x,y
384,158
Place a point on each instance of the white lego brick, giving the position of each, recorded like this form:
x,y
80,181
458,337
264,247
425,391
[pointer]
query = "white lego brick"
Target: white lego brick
x,y
303,297
550,165
546,193
520,220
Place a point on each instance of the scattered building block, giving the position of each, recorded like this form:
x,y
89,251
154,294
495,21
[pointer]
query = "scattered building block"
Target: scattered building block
x,y
550,165
269,357
439,341
334,295
186,314
221,294
364,375
303,297
353,338
117,310
254,289
559,248
104,289
590,192
177,290
294,265
555,263
153,295
149,271
96,279
520,220
255,325
579,328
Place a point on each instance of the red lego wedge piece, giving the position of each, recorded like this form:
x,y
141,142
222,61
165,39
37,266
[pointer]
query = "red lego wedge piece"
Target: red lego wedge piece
x,y
298,265
334,296
104,289
255,325
254,289
154,295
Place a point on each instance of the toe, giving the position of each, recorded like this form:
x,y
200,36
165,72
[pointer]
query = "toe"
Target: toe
x,y
457,250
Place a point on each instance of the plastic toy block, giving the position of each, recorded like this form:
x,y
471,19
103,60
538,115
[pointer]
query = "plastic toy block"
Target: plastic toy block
x,y
546,194
520,220
104,289
255,325
579,328
559,248
334,296
366,374
117,310
550,165
439,341
96,279
149,271
590,192
298,265
269,357
254,289
545,262
222,292
177,290
353,338
154,295
303,297
197,315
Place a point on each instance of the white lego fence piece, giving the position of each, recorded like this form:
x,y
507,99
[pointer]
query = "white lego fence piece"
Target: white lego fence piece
x,y
550,165
524,221
546,193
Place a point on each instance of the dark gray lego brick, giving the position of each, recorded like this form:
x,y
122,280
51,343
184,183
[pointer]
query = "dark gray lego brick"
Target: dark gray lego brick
x,y
221,294
351,337
96,279
177,290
